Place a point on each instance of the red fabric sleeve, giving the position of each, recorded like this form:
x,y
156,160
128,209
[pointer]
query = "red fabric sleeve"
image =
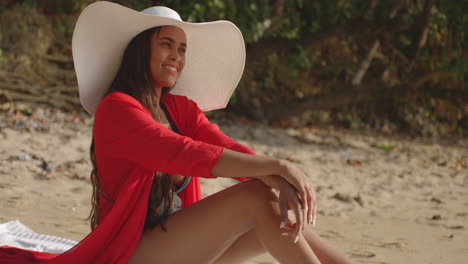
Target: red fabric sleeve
x,y
203,130
128,131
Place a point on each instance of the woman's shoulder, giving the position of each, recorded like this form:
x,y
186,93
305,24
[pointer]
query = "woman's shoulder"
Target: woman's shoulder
x,y
118,99
174,98
118,96
178,101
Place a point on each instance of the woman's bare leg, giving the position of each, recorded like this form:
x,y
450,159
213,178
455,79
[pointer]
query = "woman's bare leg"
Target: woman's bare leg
x,y
245,248
325,252
248,246
201,232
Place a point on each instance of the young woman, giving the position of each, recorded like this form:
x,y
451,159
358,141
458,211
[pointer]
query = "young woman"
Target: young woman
x,y
151,143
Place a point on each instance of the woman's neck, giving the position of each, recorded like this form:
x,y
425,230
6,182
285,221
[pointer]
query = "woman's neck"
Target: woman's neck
x,y
158,95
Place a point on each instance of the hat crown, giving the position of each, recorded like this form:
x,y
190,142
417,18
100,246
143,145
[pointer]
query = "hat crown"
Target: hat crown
x,y
162,11
213,66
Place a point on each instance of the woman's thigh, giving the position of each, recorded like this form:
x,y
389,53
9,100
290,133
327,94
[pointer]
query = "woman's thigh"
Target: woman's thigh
x,y
201,232
245,248
249,246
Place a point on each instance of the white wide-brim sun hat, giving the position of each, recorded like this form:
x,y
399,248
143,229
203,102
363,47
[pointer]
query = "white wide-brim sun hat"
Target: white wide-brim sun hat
x,y
215,56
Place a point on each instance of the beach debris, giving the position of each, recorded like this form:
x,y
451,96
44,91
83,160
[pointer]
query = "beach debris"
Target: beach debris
x,y
47,166
27,111
436,200
436,217
359,200
342,197
363,254
454,227
347,198
461,165
384,147
74,118
451,236
352,162
90,121
442,163
23,156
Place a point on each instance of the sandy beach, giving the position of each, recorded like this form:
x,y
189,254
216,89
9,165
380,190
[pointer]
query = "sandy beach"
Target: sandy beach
x,y
381,199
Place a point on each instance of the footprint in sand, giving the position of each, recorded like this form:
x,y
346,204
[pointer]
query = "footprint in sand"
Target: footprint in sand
x,y
331,234
362,254
454,227
392,245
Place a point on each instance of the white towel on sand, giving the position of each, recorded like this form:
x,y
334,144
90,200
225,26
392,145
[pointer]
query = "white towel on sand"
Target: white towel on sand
x,y
15,234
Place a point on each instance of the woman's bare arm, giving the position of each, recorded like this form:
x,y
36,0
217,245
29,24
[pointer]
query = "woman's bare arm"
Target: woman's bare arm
x,y
235,164
277,174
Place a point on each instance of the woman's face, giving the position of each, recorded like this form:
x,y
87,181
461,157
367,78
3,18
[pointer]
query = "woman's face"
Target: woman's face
x,y
167,55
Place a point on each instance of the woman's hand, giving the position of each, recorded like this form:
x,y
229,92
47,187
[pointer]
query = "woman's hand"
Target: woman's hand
x,y
233,164
289,200
304,189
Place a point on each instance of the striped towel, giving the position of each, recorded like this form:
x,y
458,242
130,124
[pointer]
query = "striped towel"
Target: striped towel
x,y
15,234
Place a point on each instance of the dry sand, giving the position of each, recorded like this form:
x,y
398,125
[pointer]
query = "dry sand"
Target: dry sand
x,y
381,200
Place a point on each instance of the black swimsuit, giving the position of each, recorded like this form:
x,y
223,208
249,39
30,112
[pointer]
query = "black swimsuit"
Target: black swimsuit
x,y
176,201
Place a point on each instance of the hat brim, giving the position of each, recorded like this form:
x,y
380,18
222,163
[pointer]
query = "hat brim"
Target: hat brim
x,y
215,55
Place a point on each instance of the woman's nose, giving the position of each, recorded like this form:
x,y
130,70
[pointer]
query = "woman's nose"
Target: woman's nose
x,y
175,55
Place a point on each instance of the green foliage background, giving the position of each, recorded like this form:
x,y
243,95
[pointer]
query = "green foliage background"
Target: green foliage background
x,y
261,20
301,49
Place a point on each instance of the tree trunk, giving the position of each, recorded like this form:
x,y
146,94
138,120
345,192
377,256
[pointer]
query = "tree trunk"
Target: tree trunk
x,y
422,27
365,64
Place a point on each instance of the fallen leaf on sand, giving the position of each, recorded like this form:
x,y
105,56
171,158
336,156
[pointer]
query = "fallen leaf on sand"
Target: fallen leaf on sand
x,y
351,162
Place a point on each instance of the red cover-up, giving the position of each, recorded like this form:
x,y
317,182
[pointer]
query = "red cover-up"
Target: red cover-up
x,y
130,146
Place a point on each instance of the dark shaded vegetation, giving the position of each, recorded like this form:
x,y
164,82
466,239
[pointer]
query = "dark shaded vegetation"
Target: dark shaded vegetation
x,y
391,66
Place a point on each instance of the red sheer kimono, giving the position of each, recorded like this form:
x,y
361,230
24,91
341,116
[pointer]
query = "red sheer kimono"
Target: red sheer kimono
x,y
130,146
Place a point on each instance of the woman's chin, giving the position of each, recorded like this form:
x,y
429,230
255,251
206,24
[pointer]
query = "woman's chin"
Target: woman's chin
x,y
166,84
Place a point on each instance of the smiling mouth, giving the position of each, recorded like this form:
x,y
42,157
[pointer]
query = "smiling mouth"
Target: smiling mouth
x,y
170,68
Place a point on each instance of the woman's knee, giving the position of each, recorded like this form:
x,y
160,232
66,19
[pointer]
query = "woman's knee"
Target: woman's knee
x,y
258,195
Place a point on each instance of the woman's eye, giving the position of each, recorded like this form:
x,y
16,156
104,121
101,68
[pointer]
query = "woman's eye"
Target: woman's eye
x,y
182,51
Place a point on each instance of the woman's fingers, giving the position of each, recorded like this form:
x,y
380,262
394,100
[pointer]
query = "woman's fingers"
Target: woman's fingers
x,y
307,201
310,213
312,205
299,221
301,215
304,215
314,217
305,210
289,227
301,201
314,212
313,201
284,224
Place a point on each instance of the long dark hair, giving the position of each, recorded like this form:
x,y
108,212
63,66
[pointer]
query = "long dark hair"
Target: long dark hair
x,y
134,78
